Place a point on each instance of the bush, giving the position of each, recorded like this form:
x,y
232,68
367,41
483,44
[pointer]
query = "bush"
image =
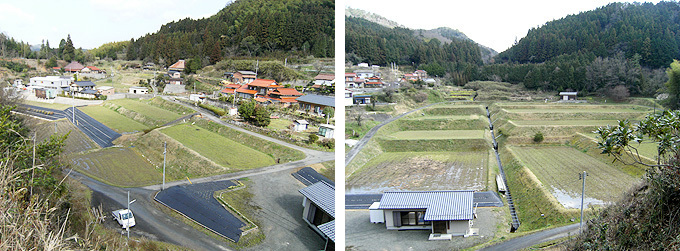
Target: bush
x,y
538,137
313,138
328,143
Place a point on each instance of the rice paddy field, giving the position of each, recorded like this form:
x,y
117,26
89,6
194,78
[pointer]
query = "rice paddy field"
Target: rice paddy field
x,y
558,167
443,147
117,166
144,108
76,141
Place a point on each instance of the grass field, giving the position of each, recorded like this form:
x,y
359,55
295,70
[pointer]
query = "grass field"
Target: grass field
x,y
421,171
117,166
448,117
575,110
217,148
439,134
76,141
558,167
279,124
564,122
159,115
112,119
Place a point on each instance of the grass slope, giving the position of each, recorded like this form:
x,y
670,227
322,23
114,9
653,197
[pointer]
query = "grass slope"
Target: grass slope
x,y
113,120
223,151
117,166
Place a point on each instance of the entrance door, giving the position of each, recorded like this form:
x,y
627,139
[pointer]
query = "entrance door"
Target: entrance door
x,y
439,227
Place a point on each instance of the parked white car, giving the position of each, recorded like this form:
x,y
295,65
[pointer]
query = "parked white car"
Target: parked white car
x,y
124,217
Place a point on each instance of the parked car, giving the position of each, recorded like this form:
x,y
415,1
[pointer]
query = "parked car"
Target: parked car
x,y
124,217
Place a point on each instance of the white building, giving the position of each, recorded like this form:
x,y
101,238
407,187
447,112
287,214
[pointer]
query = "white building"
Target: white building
x,y
138,90
58,83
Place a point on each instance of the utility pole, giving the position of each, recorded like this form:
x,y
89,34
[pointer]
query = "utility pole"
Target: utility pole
x,y
165,150
583,192
129,212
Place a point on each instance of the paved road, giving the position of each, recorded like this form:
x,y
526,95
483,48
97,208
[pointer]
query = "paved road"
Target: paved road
x,y
152,223
535,238
309,176
33,111
95,130
363,141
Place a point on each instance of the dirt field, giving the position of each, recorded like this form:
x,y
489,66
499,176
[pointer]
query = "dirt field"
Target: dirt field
x,y
421,171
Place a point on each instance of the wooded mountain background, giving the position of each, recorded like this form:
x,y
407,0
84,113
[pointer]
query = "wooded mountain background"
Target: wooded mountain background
x,y
243,28
620,44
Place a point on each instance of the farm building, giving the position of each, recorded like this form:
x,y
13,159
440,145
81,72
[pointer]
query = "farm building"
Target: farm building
x,y
138,90
314,104
300,125
45,93
326,130
444,213
566,96
319,210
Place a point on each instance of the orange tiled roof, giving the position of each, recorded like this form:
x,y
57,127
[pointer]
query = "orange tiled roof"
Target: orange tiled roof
x,y
246,91
329,77
233,86
287,91
93,68
229,91
263,83
373,83
261,100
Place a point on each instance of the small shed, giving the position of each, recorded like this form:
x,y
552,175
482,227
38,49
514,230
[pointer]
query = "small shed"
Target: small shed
x,y
360,99
326,130
300,125
566,96
138,90
376,215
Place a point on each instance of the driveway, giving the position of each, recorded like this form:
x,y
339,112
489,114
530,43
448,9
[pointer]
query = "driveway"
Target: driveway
x,y
361,234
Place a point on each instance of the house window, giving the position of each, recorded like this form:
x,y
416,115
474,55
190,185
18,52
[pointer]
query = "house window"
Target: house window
x,y
413,218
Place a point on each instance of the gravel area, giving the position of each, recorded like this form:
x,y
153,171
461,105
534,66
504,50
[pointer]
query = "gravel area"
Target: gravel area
x,y
281,213
361,234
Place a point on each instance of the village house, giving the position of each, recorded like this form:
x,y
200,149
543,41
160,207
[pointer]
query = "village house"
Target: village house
x,y
365,74
410,77
362,99
326,130
314,104
444,213
73,67
244,77
83,89
259,87
422,74
319,210
178,66
374,82
229,89
175,77
57,83
105,90
353,81
284,95
92,69
324,80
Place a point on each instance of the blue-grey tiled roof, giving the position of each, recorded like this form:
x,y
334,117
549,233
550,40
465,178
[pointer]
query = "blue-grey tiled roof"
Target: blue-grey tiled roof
x,y
89,91
323,195
84,83
328,229
438,205
317,99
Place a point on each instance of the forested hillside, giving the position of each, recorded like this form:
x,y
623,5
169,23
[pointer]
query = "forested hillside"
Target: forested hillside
x,y
651,31
373,43
269,28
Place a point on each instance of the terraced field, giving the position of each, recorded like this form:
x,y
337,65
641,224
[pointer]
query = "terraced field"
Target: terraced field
x,y
117,166
564,122
76,141
421,171
159,115
439,134
558,167
221,150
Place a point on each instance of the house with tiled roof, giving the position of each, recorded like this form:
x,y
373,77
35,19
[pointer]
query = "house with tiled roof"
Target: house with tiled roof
x,y
83,89
324,80
91,69
314,104
178,66
284,95
258,87
244,77
444,213
319,210
73,67
230,89
374,82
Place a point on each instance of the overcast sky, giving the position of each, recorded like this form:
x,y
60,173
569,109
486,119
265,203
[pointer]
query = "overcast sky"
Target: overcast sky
x,y
493,23
92,23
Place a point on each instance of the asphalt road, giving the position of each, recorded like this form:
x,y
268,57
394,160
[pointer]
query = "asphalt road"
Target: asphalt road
x,y
33,111
309,176
95,130
535,238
